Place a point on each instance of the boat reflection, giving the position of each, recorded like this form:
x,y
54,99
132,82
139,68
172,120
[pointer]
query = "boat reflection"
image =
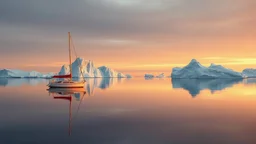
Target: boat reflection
x,y
194,86
66,91
68,94
91,83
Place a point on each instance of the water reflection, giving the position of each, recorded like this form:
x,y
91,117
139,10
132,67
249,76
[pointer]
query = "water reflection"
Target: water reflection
x,y
3,82
68,94
194,86
135,112
250,81
148,78
101,83
90,85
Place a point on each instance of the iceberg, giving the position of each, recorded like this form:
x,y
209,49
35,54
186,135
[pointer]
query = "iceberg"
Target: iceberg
x,y
223,69
13,82
80,68
160,76
149,76
108,72
83,68
128,76
194,70
10,73
249,73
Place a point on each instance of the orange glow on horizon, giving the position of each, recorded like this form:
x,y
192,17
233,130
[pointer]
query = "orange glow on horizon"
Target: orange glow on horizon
x,y
232,54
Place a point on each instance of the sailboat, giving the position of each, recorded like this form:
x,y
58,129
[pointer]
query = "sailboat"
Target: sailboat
x,y
69,83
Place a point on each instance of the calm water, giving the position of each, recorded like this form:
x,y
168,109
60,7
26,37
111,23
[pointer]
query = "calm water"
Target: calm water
x,y
135,111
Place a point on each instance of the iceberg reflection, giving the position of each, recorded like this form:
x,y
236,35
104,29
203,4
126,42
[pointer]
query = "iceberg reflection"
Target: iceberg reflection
x,y
3,82
91,83
250,81
101,83
194,86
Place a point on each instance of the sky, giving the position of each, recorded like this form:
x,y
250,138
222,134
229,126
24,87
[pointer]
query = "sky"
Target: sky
x,y
131,36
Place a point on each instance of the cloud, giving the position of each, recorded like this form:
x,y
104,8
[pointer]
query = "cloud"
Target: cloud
x,y
109,18
111,27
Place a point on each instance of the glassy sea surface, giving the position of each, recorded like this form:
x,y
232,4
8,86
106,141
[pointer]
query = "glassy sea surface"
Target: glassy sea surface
x,y
129,111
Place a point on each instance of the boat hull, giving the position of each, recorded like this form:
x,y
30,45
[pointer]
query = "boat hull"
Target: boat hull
x,y
66,84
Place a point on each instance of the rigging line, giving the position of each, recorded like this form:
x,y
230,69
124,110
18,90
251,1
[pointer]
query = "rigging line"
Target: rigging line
x,y
73,45
78,108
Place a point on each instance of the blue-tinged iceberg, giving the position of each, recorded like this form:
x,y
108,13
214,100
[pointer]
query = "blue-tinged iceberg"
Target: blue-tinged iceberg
x,y
83,68
11,73
149,76
249,73
128,76
194,70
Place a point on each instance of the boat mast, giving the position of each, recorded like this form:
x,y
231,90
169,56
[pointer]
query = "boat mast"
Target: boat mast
x,y
70,66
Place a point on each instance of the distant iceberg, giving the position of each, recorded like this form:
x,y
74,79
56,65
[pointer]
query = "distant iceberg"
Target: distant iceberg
x,y
194,70
149,76
83,68
13,82
128,76
249,73
160,76
10,73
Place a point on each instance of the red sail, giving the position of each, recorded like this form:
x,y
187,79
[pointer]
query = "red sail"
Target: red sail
x,y
63,97
62,76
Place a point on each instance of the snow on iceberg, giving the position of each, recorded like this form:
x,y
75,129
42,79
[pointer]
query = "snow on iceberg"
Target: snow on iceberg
x,y
80,68
83,68
194,70
249,73
10,73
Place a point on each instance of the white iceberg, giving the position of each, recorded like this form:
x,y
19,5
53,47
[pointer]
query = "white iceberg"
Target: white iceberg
x,y
80,68
83,68
194,70
108,72
10,73
249,73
